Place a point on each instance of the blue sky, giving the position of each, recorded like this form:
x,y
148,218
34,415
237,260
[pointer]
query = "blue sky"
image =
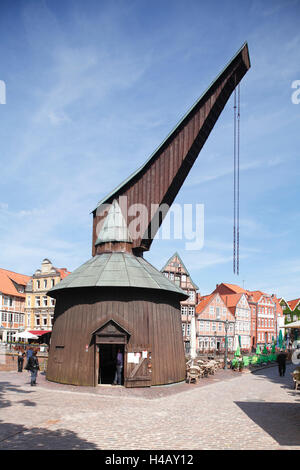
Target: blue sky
x,y
93,87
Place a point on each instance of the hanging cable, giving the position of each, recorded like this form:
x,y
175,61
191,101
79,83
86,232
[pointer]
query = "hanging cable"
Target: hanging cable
x,y
238,185
234,182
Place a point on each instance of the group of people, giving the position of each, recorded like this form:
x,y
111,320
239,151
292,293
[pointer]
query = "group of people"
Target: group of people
x,y
32,364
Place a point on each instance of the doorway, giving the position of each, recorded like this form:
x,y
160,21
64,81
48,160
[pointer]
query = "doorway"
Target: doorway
x,y
107,362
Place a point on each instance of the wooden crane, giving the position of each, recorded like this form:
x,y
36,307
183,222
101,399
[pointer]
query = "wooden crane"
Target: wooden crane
x,y
158,181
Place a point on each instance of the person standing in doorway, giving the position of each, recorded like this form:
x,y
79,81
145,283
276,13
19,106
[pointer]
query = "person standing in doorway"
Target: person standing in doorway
x,y
119,368
281,359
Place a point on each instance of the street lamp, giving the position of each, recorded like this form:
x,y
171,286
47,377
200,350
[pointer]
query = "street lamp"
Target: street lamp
x,y
226,344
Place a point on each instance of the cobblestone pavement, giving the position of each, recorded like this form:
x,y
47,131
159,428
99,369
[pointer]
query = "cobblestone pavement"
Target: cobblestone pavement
x,y
231,410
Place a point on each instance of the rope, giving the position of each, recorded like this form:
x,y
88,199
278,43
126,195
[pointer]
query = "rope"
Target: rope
x,y
236,181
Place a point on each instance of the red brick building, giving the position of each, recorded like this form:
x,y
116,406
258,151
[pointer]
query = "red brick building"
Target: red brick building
x,y
265,313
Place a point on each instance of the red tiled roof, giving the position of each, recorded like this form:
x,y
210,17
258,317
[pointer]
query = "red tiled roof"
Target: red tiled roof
x,y
235,288
7,279
63,272
231,300
204,301
292,303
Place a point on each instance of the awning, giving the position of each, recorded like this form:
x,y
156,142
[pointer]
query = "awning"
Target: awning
x,y
39,332
295,324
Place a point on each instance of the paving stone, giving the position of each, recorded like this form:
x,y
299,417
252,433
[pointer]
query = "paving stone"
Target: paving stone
x,y
227,411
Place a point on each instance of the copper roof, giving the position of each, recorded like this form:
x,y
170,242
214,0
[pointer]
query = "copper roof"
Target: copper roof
x,y
117,270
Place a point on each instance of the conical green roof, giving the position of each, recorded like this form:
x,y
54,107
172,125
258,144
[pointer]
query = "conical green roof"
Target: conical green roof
x,y
117,270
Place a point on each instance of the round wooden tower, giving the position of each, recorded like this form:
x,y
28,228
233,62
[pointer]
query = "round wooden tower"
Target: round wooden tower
x,y
116,300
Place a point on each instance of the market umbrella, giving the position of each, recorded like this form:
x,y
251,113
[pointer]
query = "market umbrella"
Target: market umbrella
x,y
240,341
280,339
237,352
25,335
258,349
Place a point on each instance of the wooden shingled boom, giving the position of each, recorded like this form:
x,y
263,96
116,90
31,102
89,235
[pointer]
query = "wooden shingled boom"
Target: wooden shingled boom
x,y
159,180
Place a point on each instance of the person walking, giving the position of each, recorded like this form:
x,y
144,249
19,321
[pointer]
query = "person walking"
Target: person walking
x,y
281,359
119,367
33,367
21,356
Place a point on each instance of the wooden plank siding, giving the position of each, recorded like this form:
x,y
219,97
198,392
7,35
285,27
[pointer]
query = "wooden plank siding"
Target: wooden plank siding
x,y
160,179
152,318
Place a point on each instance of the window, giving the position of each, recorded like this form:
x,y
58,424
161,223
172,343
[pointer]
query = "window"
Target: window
x,y
219,326
53,281
37,302
184,310
4,316
44,321
52,301
207,326
183,277
45,283
38,284
192,311
183,329
172,276
201,325
214,326
188,329
218,313
37,320
211,309
45,301
28,301
192,296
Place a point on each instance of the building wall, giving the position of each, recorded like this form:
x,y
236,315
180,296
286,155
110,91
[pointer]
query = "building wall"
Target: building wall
x,y
210,326
12,317
176,271
266,320
151,318
39,308
242,324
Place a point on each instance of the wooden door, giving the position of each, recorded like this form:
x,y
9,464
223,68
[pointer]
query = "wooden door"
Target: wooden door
x,y
137,366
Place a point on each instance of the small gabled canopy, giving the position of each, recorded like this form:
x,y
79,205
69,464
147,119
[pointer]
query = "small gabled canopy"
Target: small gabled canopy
x,y
110,327
114,228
